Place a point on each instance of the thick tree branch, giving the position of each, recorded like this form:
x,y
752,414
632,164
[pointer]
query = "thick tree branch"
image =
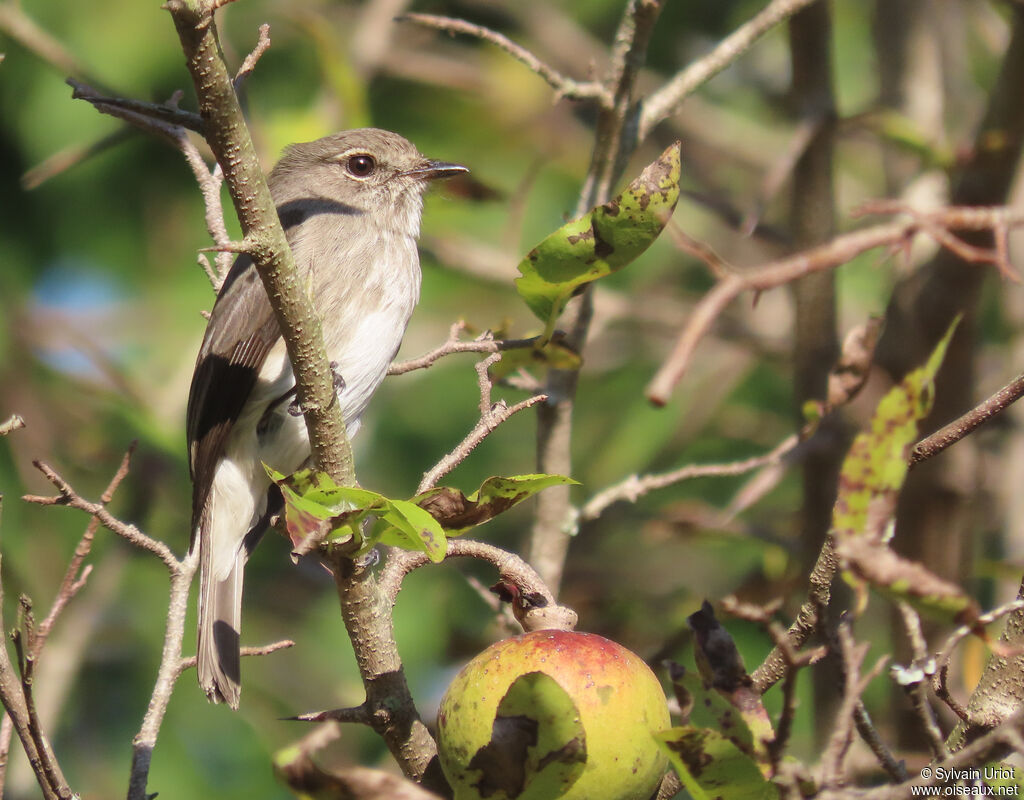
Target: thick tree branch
x,y
228,137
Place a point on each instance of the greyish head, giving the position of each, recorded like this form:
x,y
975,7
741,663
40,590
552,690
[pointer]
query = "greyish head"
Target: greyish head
x,y
367,172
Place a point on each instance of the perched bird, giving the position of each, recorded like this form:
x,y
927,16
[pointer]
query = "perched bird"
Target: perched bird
x,y
350,205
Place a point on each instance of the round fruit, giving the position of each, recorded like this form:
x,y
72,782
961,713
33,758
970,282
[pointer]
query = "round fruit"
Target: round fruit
x,y
553,714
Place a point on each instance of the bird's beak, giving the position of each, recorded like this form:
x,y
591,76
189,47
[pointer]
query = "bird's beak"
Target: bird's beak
x,y
434,170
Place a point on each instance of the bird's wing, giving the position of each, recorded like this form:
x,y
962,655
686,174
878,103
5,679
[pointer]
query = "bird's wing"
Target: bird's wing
x,y
241,331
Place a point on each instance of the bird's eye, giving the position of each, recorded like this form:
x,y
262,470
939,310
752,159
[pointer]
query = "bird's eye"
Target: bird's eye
x,y
360,165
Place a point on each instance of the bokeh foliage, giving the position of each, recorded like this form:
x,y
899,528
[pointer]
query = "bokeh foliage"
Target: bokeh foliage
x,y
100,301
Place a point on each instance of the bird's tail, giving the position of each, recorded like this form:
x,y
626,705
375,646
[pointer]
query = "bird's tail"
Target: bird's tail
x,y
220,616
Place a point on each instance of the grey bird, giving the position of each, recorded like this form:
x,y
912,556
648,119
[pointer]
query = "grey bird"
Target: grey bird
x,y
350,205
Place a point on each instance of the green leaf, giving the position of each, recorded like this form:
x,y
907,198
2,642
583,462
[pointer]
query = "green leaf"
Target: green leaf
x,y
600,242
869,486
457,512
313,503
725,690
553,354
408,526
712,768
748,730
537,742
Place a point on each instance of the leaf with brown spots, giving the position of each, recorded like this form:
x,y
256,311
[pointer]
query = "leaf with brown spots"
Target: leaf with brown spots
x,y
869,485
737,716
313,502
457,512
712,768
602,241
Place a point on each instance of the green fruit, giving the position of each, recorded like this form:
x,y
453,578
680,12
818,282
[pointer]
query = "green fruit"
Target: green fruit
x,y
553,714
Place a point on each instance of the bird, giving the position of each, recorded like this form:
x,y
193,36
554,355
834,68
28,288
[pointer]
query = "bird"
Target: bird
x,y
350,205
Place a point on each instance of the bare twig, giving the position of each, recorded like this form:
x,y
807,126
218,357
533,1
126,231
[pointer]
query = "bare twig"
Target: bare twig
x,y
484,343
74,579
807,621
249,64
168,673
15,23
71,156
109,105
940,679
995,744
69,497
25,724
491,416
510,567
807,130
870,736
833,769
12,423
962,426
634,487
615,139
667,100
255,650
830,255
914,680
563,85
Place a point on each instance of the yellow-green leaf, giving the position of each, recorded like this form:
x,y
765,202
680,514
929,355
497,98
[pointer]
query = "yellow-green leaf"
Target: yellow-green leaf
x,y
600,242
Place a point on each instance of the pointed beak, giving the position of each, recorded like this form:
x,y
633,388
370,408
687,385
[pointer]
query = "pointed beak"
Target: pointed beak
x,y
434,170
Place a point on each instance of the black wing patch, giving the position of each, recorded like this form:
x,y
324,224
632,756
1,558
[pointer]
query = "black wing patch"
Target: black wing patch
x,y
241,332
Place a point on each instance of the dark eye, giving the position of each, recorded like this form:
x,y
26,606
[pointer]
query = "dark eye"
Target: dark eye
x,y
361,165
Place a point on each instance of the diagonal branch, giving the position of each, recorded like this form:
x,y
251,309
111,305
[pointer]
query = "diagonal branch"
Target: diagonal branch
x,y
563,85
667,100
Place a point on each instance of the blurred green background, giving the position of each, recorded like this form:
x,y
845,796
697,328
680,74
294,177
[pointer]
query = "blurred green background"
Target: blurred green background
x,y
100,296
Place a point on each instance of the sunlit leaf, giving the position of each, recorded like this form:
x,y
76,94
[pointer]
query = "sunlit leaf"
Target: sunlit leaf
x,y
712,768
869,485
457,512
600,242
314,503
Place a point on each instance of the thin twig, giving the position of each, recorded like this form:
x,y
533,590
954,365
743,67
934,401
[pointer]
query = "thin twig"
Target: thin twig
x,y
16,24
965,424
510,567
254,650
163,112
667,100
634,487
359,715
12,423
940,680
913,680
249,64
71,156
168,673
74,580
69,497
869,734
830,255
492,415
808,618
484,343
833,760
563,85
991,746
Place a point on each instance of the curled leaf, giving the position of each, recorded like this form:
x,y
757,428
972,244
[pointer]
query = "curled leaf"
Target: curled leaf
x,y
457,512
602,241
